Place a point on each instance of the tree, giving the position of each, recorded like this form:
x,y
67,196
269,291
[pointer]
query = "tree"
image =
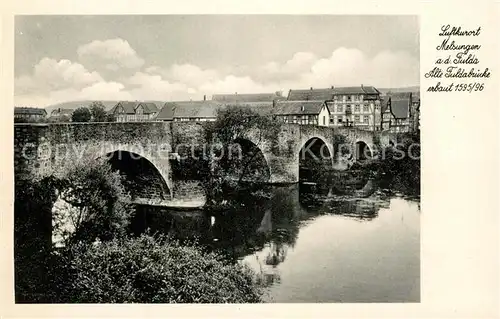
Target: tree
x,y
235,123
92,203
81,114
110,117
98,112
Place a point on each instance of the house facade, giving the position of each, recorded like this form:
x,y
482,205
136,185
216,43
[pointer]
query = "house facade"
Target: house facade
x,y
127,111
356,106
61,115
401,113
302,112
194,111
29,114
386,115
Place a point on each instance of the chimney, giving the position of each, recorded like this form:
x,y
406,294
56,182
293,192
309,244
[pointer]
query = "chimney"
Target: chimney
x,y
332,87
311,88
361,85
274,103
204,97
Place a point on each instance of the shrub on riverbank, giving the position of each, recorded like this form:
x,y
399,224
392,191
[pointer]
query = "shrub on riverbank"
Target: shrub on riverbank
x,y
400,166
149,270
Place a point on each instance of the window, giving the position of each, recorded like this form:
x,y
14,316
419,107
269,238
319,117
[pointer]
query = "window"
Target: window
x,y
339,120
365,108
294,119
356,108
356,118
285,119
339,108
304,119
344,98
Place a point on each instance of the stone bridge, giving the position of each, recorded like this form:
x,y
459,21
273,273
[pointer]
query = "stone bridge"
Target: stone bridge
x,y
144,151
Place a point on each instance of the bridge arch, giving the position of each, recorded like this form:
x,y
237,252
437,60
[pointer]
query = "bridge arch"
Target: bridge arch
x,y
362,151
145,179
315,154
249,160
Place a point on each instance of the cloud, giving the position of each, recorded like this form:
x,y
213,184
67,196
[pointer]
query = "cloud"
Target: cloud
x,y
127,78
49,74
113,54
351,67
153,87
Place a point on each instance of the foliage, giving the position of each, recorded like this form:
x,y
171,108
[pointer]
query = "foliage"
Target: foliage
x,y
95,203
81,114
98,112
233,126
110,117
149,270
400,164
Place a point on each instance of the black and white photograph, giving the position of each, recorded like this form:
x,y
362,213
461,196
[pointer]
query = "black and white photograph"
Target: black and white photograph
x,y
240,158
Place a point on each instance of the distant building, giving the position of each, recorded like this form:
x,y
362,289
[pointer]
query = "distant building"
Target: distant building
x,y
311,95
166,113
199,111
248,98
29,114
61,115
358,106
128,111
302,112
415,111
387,118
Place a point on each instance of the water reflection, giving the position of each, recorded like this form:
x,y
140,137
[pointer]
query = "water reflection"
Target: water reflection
x,y
263,231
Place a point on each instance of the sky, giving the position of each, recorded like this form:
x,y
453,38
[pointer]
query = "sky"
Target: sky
x,y
182,57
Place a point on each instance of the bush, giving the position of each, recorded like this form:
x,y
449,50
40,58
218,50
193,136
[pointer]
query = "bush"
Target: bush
x,y
93,203
149,270
81,114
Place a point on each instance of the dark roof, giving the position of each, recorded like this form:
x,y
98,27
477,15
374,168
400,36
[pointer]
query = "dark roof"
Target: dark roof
x,y
128,107
29,110
311,95
385,103
194,109
149,107
166,112
400,95
400,108
256,97
355,90
298,107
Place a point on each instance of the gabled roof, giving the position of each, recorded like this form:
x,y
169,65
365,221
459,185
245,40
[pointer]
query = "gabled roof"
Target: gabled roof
x,y
386,100
256,97
195,109
30,111
400,108
298,107
311,95
166,113
354,90
401,95
128,107
149,107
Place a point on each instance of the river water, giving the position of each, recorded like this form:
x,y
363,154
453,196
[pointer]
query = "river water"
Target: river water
x,y
312,243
